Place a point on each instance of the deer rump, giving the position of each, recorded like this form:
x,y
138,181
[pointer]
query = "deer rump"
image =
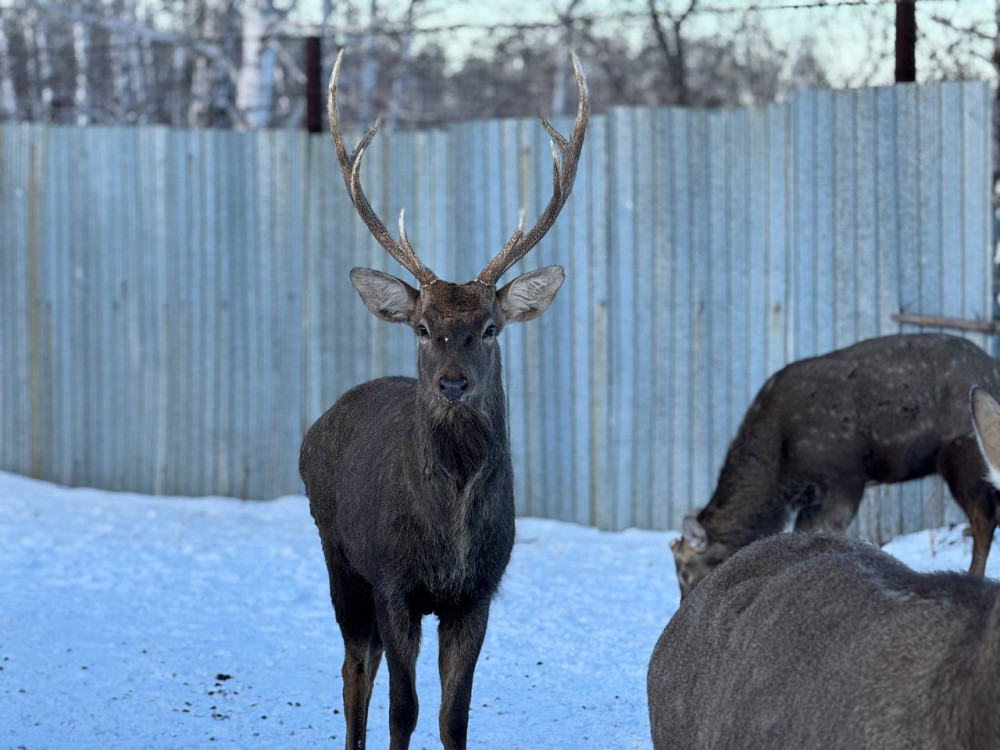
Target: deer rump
x,y
813,641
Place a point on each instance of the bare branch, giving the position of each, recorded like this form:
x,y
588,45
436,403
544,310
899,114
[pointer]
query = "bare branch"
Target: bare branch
x,y
968,30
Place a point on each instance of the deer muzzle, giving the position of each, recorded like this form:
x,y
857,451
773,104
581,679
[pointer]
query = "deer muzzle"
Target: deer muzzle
x,y
453,389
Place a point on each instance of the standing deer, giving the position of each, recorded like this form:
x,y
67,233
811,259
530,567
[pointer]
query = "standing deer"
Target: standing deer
x,y
820,642
410,480
885,410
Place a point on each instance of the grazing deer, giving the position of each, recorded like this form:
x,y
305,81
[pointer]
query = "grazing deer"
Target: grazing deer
x,y
885,410
410,480
816,641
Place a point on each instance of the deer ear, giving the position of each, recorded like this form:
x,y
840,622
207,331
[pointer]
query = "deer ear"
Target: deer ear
x,y
385,296
695,534
986,423
527,296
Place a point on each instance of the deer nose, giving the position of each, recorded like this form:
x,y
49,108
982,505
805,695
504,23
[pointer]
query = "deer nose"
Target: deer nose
x,y
453,389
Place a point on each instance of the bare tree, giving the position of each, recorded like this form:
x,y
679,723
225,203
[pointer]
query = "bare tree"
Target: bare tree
x,y
400,81
204,75
566,18
38,64
255,83
8,98
670,39
81,59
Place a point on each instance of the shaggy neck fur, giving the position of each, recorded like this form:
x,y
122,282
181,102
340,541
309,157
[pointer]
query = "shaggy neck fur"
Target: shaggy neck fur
x,y
748,501
455,442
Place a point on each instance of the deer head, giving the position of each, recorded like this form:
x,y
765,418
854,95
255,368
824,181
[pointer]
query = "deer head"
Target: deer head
x,y
696,554
457,324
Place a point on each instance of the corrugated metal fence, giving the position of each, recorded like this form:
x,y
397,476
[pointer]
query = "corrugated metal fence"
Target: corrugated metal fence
x,y
175,307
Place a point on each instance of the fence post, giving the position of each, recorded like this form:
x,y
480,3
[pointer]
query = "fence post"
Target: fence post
x,y
314,58
906,41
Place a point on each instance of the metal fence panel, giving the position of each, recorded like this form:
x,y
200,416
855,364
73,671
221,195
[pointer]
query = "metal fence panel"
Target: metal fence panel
x,y
175,308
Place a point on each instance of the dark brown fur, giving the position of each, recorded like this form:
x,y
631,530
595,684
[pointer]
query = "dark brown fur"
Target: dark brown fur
x,y
410,480
412,494
884,410
821,642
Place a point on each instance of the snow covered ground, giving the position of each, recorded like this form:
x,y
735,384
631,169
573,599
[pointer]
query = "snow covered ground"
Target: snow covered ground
x,y
158,622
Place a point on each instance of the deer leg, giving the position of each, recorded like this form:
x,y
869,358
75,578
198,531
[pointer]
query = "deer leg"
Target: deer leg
x,y
835,512
460,638
361,662
982,540
807,519
362,656
963,469
399,628
978,499
355,608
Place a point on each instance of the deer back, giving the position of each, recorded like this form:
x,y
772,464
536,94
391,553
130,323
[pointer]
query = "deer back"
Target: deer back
x,y
813,641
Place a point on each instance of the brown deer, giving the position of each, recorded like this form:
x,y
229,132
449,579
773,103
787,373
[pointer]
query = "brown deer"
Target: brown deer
x,y
885,410
410,480
821,642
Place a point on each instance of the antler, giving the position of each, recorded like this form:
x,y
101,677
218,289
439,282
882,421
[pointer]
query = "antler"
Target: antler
x,y
564,165
350,167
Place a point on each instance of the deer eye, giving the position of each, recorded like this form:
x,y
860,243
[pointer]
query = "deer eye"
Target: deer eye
x,y
422,332
490,332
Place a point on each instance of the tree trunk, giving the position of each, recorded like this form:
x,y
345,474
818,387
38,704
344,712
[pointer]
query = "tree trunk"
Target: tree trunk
x,y
673,50
117,45
559,87
255,83
8,97
31,93
996,115
996,149
369,74
401,80
146,78
678,67
203,77
81,60
41,39
177,83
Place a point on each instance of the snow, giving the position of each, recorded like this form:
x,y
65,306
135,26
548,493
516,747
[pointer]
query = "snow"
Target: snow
x,y
129,621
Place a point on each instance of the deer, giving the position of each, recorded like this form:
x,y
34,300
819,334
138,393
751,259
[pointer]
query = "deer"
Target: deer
x,y
409,480
820,641
885,410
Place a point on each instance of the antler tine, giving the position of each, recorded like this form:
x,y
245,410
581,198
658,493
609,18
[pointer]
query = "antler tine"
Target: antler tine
x,y
350,168
565,158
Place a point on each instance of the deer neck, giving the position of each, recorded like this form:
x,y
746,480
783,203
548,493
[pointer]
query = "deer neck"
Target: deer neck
x,y
455,445
748,501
